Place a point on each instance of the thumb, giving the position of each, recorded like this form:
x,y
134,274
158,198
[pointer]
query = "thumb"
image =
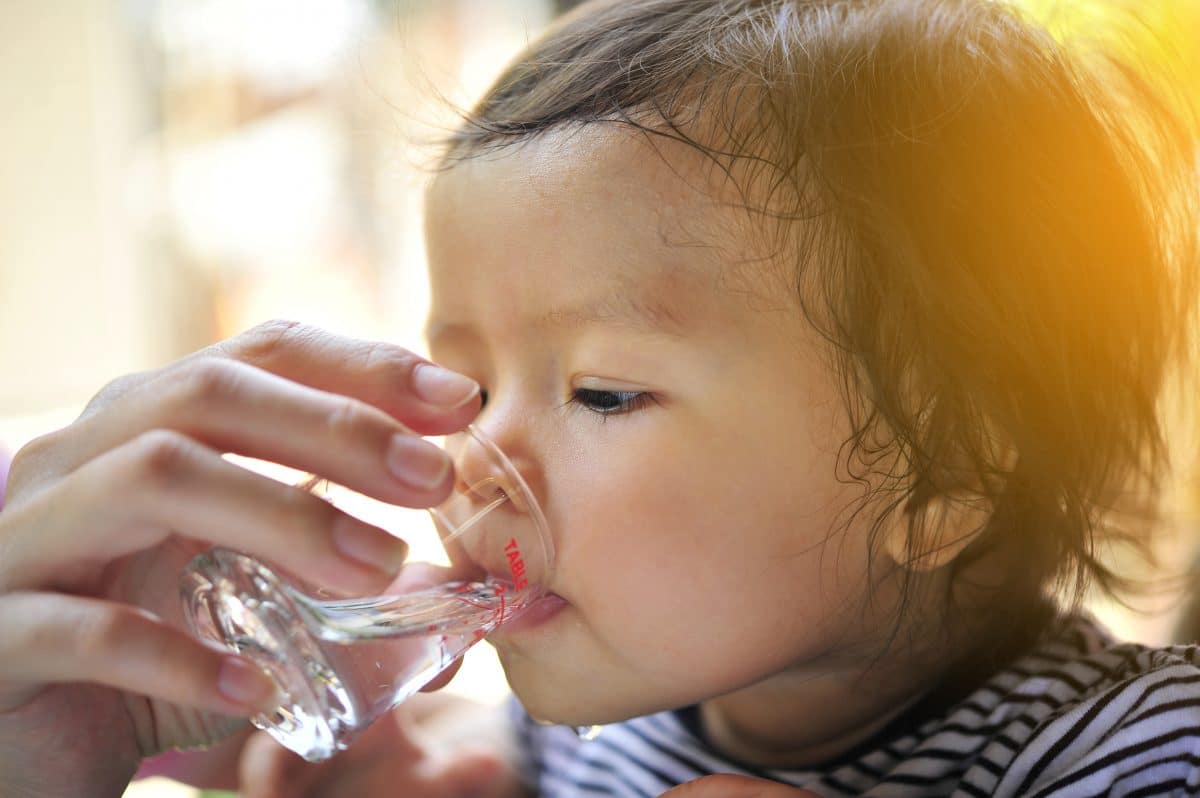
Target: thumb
x,y
726,785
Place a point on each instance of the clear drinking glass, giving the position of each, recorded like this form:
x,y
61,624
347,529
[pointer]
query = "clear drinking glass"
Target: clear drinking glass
x,y
477,561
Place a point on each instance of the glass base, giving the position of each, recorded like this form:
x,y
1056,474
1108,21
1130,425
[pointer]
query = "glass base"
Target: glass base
x,y
237,603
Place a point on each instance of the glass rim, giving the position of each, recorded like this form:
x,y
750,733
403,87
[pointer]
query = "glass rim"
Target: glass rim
x,y
533,508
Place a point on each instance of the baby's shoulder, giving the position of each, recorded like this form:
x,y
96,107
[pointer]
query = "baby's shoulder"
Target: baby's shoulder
x,y
1117,719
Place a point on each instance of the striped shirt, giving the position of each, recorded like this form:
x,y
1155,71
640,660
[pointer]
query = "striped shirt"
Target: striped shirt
x,y
1077,715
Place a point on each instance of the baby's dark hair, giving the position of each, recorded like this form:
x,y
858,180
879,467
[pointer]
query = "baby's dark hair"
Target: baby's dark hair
x,y
996,235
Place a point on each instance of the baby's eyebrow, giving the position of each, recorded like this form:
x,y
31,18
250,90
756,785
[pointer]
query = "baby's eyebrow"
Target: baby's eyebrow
x,y
620,307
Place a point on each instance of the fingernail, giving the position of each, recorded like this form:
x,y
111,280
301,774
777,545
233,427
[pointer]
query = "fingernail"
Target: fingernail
x,y
417,463
244,683
442,387
369,546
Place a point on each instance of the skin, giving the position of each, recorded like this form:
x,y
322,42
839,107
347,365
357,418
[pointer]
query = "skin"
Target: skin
x,y
693,525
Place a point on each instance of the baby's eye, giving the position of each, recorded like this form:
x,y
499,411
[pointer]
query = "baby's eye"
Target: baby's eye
x,y
610,403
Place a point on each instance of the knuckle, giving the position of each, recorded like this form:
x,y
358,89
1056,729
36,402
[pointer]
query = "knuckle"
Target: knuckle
x,y
30,457
387,360
308,519
266,341
208,380
302,510
182,656
349,419
163,454
100,633
114,390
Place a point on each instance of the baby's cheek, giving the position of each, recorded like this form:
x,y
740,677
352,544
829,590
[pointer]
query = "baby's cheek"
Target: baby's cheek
x,y
645,559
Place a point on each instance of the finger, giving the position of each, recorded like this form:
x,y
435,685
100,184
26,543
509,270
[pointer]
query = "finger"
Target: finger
x,y
233,407
726,785
379,373
427,399
444,678
268,770
465,774
53,638
163,483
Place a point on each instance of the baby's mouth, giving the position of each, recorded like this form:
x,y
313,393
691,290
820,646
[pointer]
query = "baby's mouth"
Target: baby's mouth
x,y
538,612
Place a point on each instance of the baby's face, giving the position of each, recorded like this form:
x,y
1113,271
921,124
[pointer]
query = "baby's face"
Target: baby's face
x,y
666,401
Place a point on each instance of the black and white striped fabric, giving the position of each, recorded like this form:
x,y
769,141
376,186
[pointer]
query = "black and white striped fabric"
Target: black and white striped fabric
x,y
1078,716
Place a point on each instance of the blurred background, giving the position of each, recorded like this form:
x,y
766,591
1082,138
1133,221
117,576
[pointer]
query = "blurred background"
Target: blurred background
x,y
173,172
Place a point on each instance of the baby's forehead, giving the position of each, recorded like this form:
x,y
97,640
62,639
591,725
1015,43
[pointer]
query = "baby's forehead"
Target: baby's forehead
x,y
651,213
597,230
599,166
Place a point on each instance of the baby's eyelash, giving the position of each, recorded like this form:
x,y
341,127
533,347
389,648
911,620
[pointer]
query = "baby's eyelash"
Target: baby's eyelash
x,y
601,403
610,403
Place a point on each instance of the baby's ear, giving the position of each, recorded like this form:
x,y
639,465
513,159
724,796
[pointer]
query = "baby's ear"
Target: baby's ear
x,y
930,536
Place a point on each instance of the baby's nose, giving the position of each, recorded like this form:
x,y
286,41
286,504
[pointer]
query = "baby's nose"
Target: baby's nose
x,y
484,472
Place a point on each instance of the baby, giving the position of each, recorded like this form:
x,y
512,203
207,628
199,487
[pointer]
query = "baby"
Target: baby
x,y
829,334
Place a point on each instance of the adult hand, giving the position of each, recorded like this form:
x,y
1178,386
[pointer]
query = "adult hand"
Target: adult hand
x,y
96,671
4,458
726,785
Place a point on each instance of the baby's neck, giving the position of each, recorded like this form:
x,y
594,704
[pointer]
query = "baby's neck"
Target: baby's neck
x,y
770,726
808,718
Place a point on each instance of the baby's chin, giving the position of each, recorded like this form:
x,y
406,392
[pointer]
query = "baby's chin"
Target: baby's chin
x,y
584,696
578,710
